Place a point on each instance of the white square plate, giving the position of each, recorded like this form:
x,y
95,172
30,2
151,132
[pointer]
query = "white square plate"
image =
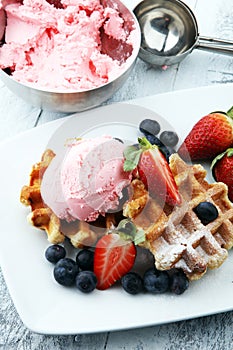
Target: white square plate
x,y
43,305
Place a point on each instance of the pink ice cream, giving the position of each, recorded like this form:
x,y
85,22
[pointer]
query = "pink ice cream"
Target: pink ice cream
x,y
87,181
61,49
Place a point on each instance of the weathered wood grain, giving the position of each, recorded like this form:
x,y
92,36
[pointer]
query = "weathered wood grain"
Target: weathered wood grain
x,y
16,115
215,18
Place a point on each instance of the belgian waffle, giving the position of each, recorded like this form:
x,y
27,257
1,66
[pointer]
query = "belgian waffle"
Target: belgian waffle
x,y
175,235
42,217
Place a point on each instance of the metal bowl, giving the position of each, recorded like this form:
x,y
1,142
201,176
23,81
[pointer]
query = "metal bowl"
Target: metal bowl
x,y
68,102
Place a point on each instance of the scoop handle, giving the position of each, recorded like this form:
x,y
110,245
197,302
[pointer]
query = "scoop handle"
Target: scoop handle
x,y
215,45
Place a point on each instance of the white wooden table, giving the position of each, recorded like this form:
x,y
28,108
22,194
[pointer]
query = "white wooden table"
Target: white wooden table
x,y
215,18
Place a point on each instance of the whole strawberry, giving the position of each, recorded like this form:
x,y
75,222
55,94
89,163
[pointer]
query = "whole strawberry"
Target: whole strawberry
x,y
210,136
222,170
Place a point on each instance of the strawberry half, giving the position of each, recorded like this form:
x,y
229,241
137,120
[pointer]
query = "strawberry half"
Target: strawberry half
x,y
153,170
113,258
210,136
222,170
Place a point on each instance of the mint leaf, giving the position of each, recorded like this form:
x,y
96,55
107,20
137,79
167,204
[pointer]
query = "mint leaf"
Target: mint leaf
x,y
132,156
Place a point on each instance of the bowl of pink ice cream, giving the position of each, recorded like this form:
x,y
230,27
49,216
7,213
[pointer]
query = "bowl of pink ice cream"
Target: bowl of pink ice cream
x,y
67,55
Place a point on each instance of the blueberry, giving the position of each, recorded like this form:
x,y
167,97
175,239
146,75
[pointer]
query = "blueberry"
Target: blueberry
x,y
151,270
169,138
178,282
65,271
156,281
132,283
54,253
85,259
206,212
154,140
167,151
149,126
86,281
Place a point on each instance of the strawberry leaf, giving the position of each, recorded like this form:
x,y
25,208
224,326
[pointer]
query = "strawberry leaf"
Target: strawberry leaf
x,y
230,112
139,237
228,152
145,144
216,159
128,231
132,155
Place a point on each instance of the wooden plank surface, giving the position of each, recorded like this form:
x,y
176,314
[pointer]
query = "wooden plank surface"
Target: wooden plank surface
x,y
215,18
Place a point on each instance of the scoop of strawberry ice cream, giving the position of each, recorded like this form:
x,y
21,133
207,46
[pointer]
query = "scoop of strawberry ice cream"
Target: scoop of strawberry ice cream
x,y
88,181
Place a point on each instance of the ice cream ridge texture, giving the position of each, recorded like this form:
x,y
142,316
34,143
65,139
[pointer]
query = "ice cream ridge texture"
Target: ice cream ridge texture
x,y
59,48
87,180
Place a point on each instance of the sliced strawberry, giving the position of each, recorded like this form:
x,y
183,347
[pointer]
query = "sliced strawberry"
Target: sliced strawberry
x,y
153,170
113,258
156,174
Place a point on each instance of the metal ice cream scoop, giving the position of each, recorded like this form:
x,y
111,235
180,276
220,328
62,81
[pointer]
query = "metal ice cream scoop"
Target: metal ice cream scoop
x,y
169,32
